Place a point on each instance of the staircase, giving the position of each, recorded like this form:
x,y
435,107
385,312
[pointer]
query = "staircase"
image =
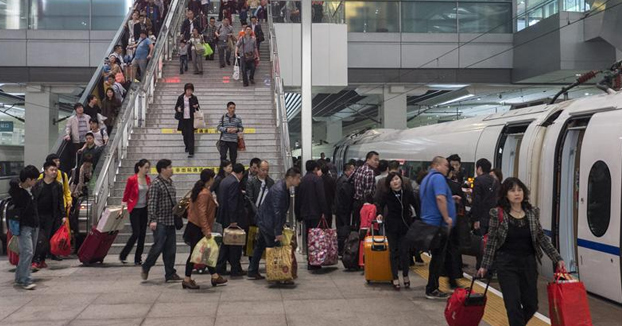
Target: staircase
x,y
158,138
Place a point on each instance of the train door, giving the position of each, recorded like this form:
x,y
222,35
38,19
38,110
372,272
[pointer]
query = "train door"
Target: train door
x,y
487,143
600,194
508,149
567,172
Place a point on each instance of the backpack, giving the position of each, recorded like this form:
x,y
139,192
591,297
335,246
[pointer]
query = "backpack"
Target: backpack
x,y
12,216
350,257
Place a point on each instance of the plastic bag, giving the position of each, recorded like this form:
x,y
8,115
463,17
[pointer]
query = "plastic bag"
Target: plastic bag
x,y
205,252
208,50
60,244
14,245
236,70
568,301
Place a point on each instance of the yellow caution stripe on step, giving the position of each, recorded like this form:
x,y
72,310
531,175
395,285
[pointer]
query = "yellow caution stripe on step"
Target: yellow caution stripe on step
x,y
495,313
203,131
189,169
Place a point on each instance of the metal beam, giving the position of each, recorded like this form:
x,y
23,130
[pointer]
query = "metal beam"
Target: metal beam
x,y
306,87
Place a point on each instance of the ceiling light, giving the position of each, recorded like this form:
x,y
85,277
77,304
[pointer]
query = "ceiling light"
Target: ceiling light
x,y
587,94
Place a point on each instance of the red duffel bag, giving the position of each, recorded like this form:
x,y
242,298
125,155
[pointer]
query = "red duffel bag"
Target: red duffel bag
x,y
60,244
466,308
568,301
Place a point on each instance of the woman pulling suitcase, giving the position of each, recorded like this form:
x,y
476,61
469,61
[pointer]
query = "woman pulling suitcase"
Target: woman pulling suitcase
x,y
516,241
135,200
395,204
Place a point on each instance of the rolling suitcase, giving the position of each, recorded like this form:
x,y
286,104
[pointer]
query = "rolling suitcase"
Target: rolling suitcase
x,y
377,257
350,257
95,247
465,308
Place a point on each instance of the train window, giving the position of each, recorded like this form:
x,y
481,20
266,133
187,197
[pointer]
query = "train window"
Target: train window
x,y
599,198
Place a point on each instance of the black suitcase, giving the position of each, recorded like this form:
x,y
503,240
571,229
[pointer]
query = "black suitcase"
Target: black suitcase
x,y
350,257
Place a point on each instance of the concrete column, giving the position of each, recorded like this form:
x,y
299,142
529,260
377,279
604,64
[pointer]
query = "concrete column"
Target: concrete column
x,y
392,108
40,133
333,131
307,96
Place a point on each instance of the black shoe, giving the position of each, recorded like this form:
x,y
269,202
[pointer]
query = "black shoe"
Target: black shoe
x,y
138,263
181,72
55,258
190,155
252,81
222,66
256,277
245,84
174,278
197,73
187,150
238,274
436,295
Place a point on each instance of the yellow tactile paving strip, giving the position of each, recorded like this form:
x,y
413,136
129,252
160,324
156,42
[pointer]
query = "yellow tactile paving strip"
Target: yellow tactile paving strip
x,y
494,314
190,169
203,131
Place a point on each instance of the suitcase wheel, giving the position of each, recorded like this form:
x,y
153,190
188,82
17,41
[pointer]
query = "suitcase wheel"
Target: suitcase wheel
x,y
368,281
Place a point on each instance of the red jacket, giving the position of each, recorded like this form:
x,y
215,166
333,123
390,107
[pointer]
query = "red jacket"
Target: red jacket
x,y
130,195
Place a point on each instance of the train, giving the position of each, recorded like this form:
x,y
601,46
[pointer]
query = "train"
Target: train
x,y
569,154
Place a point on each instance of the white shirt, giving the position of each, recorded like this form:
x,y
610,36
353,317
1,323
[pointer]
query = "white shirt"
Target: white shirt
x,y
186,107
263,192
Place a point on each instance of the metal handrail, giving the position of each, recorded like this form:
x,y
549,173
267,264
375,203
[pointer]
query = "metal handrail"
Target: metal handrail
x,y
133,110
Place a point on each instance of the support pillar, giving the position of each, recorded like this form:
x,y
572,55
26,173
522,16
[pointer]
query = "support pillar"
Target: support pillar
x,y
40,133
307,107
392,108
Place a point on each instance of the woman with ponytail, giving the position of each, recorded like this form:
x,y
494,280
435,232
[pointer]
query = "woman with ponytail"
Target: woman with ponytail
x,y
201,211
135,201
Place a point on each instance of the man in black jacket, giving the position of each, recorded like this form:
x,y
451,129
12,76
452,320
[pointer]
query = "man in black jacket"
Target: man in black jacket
x,y
271,218
344,197
485,196
311,203
49,195
258,187
231,204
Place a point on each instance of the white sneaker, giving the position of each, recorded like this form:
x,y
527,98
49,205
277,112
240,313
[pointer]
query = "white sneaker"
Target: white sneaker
x,y
30,286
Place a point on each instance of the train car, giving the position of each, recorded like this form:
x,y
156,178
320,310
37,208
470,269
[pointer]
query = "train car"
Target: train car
x,y
570,156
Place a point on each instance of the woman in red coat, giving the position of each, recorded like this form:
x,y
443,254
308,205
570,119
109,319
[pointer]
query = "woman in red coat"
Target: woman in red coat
x,y
135,200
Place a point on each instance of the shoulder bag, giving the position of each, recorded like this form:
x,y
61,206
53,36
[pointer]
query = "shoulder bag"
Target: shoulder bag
x,y
222,123
179,223
424,236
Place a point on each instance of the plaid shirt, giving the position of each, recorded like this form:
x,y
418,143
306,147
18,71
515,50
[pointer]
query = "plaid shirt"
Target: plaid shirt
x,y
161,202
364,182
498,232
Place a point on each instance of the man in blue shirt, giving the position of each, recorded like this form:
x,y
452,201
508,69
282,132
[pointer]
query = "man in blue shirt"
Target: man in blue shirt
x,y
437,208
144,50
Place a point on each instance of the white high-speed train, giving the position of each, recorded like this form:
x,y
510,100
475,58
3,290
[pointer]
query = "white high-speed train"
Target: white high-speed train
x,y
569,154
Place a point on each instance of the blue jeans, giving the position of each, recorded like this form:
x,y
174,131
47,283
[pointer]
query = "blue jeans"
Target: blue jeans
x,y
183,60
264,241
27,242
165,243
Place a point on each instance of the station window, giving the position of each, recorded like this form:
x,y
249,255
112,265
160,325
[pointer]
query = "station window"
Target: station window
x,y
599,198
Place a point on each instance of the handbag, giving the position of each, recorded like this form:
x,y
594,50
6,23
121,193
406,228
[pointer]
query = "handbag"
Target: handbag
x,y
205,252
323,247
241,144
199,120
14,245
279,264
60,244
424,236
177,221
208,49
236,70
568,301
222,123
234,236
181,209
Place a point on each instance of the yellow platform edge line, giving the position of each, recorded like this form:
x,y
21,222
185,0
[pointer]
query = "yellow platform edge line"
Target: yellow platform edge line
x,y
190,169
203,131
494,314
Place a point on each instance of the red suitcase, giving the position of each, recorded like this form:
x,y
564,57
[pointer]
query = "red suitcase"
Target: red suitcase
x,y
95,247
465,308
13,257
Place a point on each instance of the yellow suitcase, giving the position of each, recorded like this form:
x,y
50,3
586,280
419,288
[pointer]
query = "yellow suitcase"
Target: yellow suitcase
x,y
377,258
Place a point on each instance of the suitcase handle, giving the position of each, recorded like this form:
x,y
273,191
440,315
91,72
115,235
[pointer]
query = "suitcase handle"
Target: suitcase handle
x,y
372,231
473,283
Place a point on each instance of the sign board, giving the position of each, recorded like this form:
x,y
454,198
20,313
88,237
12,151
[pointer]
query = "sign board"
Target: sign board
x,y
6,126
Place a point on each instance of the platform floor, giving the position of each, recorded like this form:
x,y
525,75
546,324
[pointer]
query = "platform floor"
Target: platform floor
x,y
113,294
